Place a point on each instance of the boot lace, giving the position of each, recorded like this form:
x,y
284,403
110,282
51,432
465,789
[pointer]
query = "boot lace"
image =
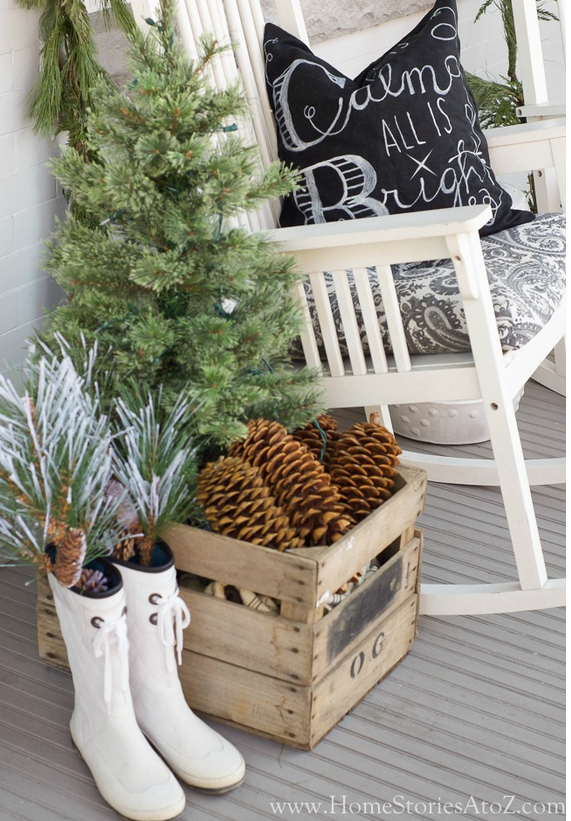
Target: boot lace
x,y
172,617
111,639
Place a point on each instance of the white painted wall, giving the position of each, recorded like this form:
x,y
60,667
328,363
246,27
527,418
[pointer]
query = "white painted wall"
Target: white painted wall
x,y
29,197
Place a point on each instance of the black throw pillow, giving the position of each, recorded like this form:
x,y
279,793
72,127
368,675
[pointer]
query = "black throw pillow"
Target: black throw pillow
x,y
402,136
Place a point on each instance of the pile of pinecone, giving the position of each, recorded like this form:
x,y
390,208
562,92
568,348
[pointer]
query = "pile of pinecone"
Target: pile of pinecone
x,y
303,489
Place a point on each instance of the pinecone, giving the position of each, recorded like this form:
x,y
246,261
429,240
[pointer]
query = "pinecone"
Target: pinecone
x,y
69,556
127,512
130,539
264,604
320,437
261,434
238,504
93,581
298,482
364,467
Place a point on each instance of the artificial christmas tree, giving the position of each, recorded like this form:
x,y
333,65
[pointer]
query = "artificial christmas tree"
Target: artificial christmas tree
x,y
176,292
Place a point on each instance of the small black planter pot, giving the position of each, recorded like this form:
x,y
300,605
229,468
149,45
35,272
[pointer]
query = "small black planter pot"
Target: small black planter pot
x,y
162,559
103,565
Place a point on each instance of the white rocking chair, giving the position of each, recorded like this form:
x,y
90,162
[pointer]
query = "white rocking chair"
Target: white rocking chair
x,y
372,378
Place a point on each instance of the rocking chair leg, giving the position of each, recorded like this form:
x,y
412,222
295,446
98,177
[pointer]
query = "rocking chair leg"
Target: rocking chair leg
x,y
383,410
552,373
516,495
533,590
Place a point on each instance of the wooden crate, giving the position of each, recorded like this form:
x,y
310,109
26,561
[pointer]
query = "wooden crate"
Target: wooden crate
x,y
292,677
51,646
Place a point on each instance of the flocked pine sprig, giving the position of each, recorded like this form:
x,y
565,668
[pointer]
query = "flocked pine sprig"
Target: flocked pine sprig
x,y
88,361
21,542
155,462
55,463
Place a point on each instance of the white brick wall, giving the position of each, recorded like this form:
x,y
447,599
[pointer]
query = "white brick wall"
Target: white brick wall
x,y
29,196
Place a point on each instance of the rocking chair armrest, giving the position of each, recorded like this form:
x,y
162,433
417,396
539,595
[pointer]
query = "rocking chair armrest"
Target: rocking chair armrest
x,y
513,135
529,147
439,222
384,240
543,110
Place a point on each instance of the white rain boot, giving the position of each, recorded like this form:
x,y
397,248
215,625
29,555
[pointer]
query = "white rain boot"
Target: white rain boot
x,y
129,774
157,615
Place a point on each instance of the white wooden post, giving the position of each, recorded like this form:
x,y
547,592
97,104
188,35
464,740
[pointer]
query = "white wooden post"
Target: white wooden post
x,y
291,19
534,84
562,14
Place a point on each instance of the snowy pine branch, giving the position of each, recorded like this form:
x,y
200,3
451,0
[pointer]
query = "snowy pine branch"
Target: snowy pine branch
x,y
55,461
155,462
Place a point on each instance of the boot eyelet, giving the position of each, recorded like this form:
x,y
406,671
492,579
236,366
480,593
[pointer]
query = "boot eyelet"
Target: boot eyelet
x,y
155,598
154,618
97,621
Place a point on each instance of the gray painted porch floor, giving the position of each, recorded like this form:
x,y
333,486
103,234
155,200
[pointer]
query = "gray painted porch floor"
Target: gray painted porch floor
x,y
470,725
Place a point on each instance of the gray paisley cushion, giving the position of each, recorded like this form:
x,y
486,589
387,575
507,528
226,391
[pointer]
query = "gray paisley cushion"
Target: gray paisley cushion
x,y
526,271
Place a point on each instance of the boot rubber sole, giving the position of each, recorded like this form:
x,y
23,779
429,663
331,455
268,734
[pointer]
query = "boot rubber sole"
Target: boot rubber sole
x,y
182,776
133,817
211,790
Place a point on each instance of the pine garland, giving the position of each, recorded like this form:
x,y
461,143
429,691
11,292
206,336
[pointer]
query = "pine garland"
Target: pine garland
x,y
69,70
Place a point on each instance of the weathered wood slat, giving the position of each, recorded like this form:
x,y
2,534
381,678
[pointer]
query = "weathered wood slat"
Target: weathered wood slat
x,y
285,576
374,657
51,646
374,533
226,630
291,680
298,652
365,608
295,714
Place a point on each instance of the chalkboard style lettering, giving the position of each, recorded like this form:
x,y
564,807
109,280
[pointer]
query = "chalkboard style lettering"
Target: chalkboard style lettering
x,y
402,136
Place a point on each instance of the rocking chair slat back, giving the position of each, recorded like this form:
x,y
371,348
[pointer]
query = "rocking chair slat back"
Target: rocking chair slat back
x,y
349,321
370,321
326,324
394,318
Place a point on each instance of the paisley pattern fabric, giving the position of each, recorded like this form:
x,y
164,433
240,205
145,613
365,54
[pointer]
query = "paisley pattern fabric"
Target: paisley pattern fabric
x,y
526,272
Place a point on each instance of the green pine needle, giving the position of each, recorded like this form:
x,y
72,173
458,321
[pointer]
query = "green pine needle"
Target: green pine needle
x,y
163,249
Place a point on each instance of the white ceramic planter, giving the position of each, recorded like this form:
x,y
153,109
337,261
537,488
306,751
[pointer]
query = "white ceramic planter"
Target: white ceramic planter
x,y
443,423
